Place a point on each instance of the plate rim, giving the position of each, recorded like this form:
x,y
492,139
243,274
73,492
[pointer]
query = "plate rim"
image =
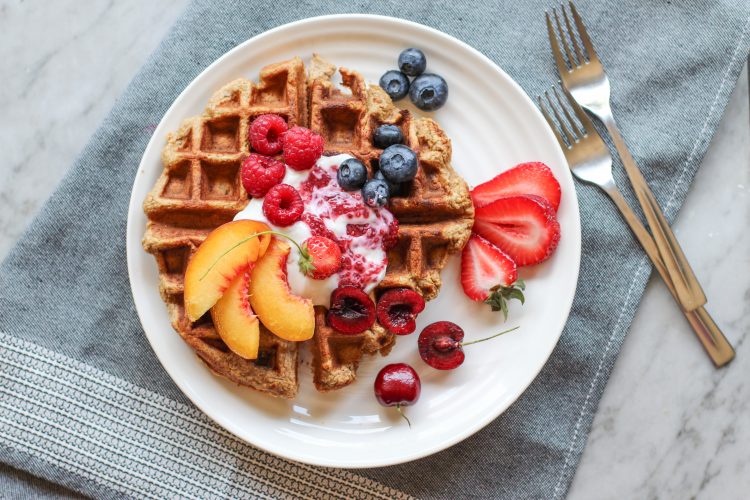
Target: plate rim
x,y
482,421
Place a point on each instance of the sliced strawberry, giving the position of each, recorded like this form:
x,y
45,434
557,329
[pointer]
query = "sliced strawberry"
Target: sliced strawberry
x,y
526,178
489,275
524,227
484,266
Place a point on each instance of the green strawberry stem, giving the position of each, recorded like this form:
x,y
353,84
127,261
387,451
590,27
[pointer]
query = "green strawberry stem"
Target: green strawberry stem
x,y
500,295
464,344
401,412
305,261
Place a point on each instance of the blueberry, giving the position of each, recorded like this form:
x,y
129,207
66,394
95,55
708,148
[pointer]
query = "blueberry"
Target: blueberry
x,y
375,193
393,187
395,84
352,175
398,163
428,92
412,62
387,135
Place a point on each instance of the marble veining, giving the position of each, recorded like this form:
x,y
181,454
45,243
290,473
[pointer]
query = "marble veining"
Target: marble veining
x,y
669,424
57,90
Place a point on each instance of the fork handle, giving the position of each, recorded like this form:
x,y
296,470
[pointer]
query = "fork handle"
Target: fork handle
x,y
710,336
686,284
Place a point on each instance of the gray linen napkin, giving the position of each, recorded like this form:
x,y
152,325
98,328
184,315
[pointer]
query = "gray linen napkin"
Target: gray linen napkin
x,y
83,401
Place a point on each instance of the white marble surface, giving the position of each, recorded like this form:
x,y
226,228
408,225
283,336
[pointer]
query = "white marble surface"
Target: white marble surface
x,y
56,90
669,425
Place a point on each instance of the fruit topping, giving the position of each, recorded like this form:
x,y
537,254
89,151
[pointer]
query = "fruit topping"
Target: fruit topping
x,y
534,178
325,255
235,321
428,92
376,193
524,227
302,148
387,135
317,226
391,238
352,311
266,134
441,344
397,385
283,205
394,188
398,163
261,173
351,175
285,314
489,275
397,310
395,84
228,251
412,62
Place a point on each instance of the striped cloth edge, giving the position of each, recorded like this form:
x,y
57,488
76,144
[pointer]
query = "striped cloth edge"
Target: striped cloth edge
x,y
140,443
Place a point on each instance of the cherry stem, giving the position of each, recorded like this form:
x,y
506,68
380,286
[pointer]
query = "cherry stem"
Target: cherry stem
x,y
245,240
464,344
398,409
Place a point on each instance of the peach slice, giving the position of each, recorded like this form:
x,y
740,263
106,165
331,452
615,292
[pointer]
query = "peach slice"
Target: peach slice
x,y
287,315
237,324
228,251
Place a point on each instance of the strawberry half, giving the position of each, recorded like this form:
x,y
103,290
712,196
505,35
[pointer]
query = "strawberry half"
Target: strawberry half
x,y
533,178
489,275
524,227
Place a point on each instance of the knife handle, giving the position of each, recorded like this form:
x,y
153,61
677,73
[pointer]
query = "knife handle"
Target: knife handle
x,y
710,336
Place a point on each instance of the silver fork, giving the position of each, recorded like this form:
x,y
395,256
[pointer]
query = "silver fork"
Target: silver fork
x,y
583,76
590,161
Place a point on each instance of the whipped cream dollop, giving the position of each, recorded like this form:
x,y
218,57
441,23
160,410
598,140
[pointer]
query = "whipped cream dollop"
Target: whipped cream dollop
x,y
360,231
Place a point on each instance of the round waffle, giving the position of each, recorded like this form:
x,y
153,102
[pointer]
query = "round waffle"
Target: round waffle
x,y
200,189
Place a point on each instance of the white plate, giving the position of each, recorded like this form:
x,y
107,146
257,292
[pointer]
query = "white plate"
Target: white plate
x,y
493,126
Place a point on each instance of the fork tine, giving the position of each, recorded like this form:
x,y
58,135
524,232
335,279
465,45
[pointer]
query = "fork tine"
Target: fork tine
x,y
573,37
565,111
588,125
583,33
559,59
551,123
564,40
568,135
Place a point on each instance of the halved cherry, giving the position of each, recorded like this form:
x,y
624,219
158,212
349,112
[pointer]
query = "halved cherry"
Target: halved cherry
x,y
397,310
441,344
352,310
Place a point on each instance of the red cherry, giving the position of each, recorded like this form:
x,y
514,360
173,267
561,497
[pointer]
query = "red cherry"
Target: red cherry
x,y
352,310
397,385
441,344
397,310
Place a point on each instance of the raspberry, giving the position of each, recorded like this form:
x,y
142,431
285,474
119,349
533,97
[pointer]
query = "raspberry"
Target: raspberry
x,y
266,134
283,205
318,178
391,239
326,256
358,230
261,173
318,227
302,148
